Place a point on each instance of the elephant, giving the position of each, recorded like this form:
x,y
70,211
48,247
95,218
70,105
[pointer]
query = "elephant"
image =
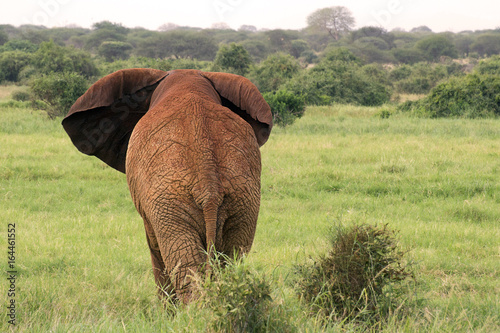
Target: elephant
x,y
189,144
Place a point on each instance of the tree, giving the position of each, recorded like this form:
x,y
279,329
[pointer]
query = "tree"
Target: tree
x,y
275,70
334,20
249,28
168,26
281,40
297,47
3,37
105,31
408,55
220,26
51,57
59,91
11,63
422,28
19,45
436,46
463,44
114,50
179,44
338,78
233,58
487,44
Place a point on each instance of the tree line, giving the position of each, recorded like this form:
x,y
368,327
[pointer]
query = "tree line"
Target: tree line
x,y
327,62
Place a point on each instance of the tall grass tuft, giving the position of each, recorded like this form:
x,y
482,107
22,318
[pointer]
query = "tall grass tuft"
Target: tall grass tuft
x,y
358,279
239,298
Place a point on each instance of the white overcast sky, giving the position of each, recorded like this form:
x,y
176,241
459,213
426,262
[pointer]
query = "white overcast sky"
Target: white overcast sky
x,y
446,15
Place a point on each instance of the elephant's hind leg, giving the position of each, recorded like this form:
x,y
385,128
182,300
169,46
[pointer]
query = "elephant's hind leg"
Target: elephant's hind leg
x,y
184,257
165,288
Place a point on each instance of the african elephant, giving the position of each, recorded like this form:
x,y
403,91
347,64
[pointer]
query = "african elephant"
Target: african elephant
x,y
188,142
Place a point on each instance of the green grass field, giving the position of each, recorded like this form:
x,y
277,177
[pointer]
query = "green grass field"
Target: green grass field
x,y
81,256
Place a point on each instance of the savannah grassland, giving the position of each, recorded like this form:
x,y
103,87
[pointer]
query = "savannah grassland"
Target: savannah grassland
x,y
82,259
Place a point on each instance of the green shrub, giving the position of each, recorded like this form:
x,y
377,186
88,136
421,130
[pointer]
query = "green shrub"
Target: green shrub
x,y
50,58
239,298
113,50
474,96
339,78
233,58
422,77
274,71
285,106
489,66
12,63
359,278
59,91
21,96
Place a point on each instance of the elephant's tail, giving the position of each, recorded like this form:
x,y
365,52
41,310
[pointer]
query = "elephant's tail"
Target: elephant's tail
x,y
210,215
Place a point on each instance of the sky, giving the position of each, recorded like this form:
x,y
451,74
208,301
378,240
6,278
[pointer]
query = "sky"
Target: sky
x,y
440,16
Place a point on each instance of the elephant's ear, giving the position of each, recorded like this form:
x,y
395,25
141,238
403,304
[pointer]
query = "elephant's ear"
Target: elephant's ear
x,y
242,96
101,120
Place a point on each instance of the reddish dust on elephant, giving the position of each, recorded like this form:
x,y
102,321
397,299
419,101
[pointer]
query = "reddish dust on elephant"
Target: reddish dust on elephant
x,y
188,142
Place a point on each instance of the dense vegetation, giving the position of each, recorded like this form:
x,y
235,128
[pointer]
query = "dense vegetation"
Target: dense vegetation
x,y
83,263
343,166
368,66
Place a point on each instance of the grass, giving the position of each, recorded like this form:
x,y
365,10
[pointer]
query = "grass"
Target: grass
x,y
6,91
82,257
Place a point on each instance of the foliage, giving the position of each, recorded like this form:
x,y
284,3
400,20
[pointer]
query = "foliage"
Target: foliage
x,y
3,37
285,106
274,71
420,78
408,55
489,66
436,46
19,45
338,78
239,298
114,50
486,44
12,63
298,47
105,31
358,279
334,20
475,96
95,274
59,91
52,58
232,58
21,96
179,44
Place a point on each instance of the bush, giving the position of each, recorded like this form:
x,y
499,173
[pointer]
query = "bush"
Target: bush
x,y
239,298
474,96
358,278
232,58
274,71
59,91
285,106
114,50
21,96
436,46
11,64
339,78
489,66
408,56
422,77
50,58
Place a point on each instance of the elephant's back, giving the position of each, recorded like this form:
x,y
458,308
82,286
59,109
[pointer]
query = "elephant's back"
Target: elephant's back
x,y
191,152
